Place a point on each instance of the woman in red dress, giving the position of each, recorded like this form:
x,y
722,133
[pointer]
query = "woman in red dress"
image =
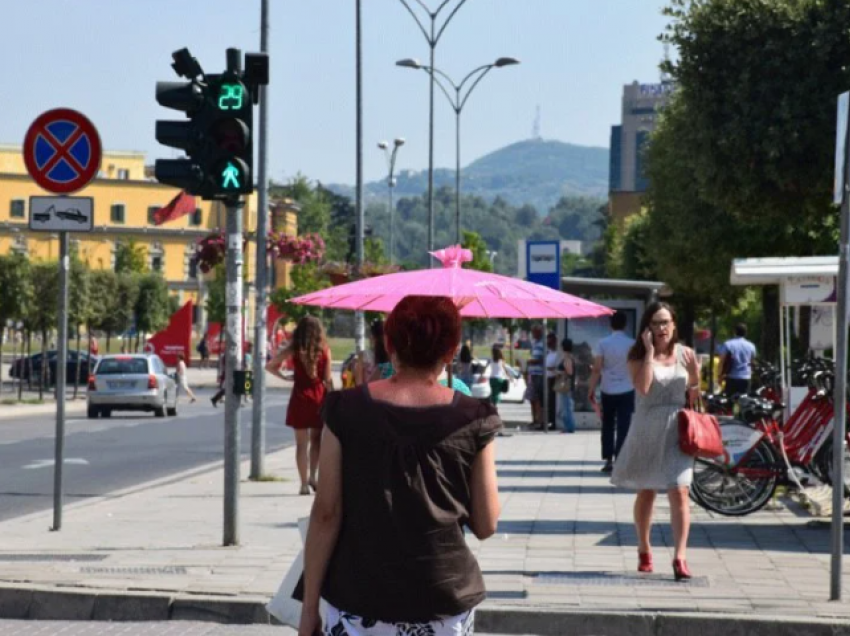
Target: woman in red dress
x,y
311,359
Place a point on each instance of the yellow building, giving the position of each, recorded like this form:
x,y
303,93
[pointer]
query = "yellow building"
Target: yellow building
x,y
125,199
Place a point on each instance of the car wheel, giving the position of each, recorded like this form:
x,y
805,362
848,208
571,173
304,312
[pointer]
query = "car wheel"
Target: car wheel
x,y
93,412
106,412
159,411
172,410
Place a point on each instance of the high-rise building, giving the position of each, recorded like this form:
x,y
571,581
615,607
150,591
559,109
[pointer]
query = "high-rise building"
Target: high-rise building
x,y
627,179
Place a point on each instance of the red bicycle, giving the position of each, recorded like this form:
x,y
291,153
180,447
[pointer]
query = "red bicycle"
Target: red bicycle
x,y
762,452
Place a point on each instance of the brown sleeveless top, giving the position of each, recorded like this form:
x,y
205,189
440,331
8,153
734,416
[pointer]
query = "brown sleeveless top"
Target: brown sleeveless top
x,y
401,553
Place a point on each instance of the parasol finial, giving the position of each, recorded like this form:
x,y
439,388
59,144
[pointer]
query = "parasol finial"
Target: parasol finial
x,y
454,256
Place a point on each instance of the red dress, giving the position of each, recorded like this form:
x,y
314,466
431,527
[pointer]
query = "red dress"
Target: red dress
x,y
305,403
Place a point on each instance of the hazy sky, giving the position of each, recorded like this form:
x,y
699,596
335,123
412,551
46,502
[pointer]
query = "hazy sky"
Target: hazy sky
x,y
104,57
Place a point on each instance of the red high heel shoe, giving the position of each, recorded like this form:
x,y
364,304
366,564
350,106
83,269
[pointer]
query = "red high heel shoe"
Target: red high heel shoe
x,y
681,571
645,562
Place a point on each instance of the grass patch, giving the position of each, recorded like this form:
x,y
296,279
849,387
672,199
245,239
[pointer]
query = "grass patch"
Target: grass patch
x,y
32,401
8,402
340,348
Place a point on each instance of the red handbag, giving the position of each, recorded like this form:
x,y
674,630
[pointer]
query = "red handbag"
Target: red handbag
x,y
699,433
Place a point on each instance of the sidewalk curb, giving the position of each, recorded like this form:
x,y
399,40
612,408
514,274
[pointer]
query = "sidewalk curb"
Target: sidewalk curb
x,y
45,603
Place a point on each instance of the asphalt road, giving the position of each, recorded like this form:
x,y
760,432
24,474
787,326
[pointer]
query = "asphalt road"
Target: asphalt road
x,y
107,455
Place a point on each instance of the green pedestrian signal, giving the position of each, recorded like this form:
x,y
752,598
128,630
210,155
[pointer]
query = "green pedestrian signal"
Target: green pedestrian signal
x,y
230,177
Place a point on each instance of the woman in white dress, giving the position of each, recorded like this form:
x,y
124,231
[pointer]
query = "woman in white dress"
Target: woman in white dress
x,y
665,375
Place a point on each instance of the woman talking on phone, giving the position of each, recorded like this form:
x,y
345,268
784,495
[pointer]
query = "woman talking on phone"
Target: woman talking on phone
x,y
665,376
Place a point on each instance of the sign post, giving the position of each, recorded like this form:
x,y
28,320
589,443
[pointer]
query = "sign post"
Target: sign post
x,y
840,397
543,266
62,154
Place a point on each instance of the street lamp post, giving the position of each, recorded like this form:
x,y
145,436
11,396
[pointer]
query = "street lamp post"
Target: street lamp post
x,y
492,254
458,101
391,155
432,36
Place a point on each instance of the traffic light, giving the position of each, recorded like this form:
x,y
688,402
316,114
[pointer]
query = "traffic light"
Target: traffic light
x,y
218,138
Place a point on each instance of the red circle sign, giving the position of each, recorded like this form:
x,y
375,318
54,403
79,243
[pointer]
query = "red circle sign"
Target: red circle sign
x,y
62,151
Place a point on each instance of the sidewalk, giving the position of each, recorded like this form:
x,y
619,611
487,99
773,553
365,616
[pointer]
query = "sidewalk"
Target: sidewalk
x,y
562,562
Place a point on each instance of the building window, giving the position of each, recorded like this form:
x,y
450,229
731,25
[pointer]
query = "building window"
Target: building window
x,y
641,146
152,210
193,269
16,209
19,244
117,213
196,219
157,257
123,174
616,160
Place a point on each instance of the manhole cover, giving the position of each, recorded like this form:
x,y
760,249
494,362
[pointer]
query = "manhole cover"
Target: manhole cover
x,y
20,556
134,570
605,579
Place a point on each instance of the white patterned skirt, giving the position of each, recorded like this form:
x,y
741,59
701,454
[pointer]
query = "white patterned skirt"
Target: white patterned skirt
x,y
338,623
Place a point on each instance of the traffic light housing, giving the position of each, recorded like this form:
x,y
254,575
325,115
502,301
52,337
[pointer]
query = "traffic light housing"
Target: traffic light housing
x,y
218,136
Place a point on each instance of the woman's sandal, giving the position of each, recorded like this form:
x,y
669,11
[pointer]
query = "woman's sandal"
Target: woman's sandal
x,y
305,490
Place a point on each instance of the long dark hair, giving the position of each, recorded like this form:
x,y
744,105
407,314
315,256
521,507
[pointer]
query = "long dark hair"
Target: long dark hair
x,y
377,331
638,350
497,354
308,343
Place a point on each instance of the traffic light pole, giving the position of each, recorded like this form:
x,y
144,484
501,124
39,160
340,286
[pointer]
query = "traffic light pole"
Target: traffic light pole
x,y
233,363
258,420
61,369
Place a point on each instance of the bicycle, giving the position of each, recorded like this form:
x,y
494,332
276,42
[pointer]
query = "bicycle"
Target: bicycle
x,y
761,452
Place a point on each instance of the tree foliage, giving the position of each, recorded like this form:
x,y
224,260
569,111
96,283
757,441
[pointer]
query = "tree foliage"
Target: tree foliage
x,y
130,258
152,309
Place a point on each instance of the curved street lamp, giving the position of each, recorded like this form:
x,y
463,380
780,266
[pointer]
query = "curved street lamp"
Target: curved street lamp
x,y
432,37
458,101
390,156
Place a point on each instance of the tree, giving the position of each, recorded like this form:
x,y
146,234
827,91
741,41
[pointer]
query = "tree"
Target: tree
x,y
103,290
15,290
130,257
756,92
478,246
43,309
121,307
306,278
152,306
78,306
216,304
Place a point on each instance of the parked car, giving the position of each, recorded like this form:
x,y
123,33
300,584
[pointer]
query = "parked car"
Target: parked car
x,y
131,382
481,382
20,369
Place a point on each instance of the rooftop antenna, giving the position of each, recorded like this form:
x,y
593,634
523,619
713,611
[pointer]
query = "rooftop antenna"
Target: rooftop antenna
x,y
535,131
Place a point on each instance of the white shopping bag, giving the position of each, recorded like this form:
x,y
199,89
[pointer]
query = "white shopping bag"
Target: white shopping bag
x,y
282,606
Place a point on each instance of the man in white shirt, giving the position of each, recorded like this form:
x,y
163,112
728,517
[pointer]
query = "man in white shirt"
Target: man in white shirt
x,y
618,394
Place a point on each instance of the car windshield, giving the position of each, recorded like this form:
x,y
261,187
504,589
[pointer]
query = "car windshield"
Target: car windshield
x,y
117,366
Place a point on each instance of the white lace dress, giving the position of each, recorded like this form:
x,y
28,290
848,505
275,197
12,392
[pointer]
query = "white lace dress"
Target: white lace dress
x,y
650,458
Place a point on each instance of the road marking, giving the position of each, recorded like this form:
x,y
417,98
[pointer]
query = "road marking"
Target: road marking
x,y
44,463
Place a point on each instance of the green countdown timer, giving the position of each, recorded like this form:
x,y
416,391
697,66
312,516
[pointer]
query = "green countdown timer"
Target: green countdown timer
x,y
231,96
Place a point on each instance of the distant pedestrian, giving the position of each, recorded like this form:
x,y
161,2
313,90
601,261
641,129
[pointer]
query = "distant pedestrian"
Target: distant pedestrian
x,y
666,376
203,351
534,374
464,366
94,348
553,361
406,466
566,383
618,394
309,351
374,364
499,379
222,378
736,363
182,377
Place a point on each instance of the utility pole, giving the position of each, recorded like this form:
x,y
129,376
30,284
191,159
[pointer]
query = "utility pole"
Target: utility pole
x,y
258,420
359,317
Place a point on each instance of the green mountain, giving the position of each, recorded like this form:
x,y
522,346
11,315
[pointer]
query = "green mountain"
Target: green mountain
x,y
536,171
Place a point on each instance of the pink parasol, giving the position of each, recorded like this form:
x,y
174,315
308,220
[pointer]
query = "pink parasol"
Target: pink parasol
x,y
477,294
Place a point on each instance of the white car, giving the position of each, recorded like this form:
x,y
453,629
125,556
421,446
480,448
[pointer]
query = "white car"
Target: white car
x,y
481,382
131,382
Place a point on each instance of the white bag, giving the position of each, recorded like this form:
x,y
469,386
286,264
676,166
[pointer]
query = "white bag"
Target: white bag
x,y
282,606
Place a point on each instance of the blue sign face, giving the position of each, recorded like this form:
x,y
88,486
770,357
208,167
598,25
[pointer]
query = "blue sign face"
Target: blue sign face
x,y
66,148
543,263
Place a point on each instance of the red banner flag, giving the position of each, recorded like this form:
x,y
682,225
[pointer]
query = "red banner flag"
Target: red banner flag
x,y
175,338
181,205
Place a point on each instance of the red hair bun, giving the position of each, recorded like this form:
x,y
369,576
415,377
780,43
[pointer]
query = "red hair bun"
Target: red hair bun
x,y
422,330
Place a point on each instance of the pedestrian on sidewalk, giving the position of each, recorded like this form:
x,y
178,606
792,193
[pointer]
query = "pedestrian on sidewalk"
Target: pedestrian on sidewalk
x,y
665,375
564,385
203,351
406,463
736,362
553,361
618,394
309,351
222,378
499,380
374,364
534,377
182,378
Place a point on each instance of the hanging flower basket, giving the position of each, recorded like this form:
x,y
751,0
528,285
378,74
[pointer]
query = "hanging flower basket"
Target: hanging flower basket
x,y
338,273
373,269
296,249
209,252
